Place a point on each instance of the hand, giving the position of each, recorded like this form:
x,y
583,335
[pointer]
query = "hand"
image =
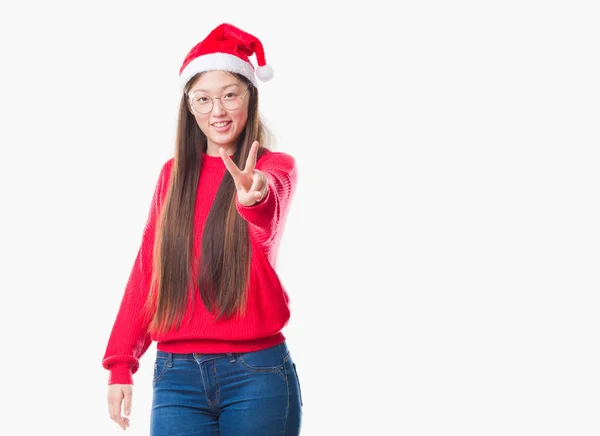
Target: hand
x,y
116,394
252,185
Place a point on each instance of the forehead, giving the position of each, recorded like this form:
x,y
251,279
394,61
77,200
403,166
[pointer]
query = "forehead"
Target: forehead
x,y
214,81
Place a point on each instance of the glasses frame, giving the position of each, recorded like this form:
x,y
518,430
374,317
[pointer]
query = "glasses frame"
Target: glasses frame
x,y
212,103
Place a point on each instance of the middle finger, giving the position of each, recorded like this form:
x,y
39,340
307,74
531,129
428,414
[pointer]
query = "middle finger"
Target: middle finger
x,y
251,161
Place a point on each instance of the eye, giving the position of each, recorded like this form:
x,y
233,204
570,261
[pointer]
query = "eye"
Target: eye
x,y
230,96
201,99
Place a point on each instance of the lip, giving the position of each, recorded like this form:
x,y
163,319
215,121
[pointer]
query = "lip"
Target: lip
x,y
222,128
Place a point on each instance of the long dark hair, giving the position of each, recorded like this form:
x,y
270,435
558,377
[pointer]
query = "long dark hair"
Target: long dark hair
x,y
224,268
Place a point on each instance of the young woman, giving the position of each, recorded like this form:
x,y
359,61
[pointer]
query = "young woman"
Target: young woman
x,y
204,285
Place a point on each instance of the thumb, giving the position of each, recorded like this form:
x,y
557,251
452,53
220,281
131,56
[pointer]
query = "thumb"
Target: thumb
x,y
127,402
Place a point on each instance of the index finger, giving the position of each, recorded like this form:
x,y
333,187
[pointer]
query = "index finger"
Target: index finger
x,y
230,165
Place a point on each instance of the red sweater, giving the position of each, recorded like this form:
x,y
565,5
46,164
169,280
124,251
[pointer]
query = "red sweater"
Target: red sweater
x,y
267,309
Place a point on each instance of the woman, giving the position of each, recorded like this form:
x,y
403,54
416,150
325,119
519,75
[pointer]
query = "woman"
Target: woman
x,y
203,285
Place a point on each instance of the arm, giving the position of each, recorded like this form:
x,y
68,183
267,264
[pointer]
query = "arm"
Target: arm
x,y
129,338
281,172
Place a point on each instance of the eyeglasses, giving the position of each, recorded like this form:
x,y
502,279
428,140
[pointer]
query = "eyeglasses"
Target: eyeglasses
x,y
203,104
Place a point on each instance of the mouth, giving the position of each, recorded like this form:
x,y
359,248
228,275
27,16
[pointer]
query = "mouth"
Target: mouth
x,y
220,124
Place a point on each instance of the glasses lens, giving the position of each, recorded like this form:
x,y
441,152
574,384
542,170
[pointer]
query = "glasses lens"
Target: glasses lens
x,y
202,104
231,101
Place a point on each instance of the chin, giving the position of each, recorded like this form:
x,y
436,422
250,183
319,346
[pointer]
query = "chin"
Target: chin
x,y
222,143
225,141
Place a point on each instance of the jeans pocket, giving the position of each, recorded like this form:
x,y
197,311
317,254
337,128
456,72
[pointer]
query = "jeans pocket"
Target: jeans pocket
x,y
160,366
298,380
267,360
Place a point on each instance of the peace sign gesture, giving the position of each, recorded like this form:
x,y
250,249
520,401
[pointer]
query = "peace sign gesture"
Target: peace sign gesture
x,y
252,185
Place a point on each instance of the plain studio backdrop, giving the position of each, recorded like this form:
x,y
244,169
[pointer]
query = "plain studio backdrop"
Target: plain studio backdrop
x,y
441,253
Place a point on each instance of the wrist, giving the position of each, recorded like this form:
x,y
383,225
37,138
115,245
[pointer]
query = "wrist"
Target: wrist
x,y
263,192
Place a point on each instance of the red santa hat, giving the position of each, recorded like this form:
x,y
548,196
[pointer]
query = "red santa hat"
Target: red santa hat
x,y
226,48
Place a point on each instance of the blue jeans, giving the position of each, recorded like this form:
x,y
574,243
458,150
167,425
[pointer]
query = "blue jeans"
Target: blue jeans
x,y
243,394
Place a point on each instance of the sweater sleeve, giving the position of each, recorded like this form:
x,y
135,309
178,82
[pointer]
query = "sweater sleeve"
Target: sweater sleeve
x,y
266,216
129,338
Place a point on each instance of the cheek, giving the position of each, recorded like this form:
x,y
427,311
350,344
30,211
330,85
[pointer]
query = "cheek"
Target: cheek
x,y
241,118
202,122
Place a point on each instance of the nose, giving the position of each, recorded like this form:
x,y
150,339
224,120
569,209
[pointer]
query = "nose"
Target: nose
x,y
218,108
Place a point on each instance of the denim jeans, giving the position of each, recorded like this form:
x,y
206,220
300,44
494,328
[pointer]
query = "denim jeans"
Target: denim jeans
x,y
243,394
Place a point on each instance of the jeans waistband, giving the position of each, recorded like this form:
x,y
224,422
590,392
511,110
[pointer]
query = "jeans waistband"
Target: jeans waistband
x,y
195,356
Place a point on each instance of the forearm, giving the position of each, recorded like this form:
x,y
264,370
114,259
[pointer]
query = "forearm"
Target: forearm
x,y
266,214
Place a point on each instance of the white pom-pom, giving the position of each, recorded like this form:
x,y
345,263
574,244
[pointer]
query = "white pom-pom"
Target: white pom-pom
x,y
265,73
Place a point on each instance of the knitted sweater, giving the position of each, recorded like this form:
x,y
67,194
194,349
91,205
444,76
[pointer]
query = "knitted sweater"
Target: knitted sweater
x,y
267,310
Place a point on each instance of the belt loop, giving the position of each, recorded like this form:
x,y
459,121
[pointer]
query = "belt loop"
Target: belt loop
x,y
232,358
285,351
169,360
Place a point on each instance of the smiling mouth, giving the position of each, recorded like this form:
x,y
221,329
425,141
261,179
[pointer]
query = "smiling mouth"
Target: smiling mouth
x,y
221,124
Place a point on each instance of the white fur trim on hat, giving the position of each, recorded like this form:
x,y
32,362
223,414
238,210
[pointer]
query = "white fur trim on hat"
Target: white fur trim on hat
x,y
217,61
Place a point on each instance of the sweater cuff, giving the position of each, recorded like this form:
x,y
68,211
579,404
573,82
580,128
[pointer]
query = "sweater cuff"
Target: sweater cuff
x,y
255,212
120,373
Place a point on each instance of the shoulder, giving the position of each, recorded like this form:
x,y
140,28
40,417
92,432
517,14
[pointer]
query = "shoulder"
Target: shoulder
x,y
164,178
165,170
276,159
167,165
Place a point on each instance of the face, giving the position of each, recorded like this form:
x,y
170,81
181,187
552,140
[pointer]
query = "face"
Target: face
x,y
223,124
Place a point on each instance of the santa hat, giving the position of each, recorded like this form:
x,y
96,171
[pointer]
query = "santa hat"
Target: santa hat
x,y
226,48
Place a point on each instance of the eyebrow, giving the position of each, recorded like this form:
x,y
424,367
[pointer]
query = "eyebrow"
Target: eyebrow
x,y
224,87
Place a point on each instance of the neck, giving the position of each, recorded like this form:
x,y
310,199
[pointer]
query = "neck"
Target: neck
x,y
213,150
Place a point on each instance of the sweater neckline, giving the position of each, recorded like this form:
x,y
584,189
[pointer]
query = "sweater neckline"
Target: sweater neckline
x,y
212,161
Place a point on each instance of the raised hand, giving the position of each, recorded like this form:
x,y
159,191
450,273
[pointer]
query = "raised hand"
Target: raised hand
x,y
252,185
